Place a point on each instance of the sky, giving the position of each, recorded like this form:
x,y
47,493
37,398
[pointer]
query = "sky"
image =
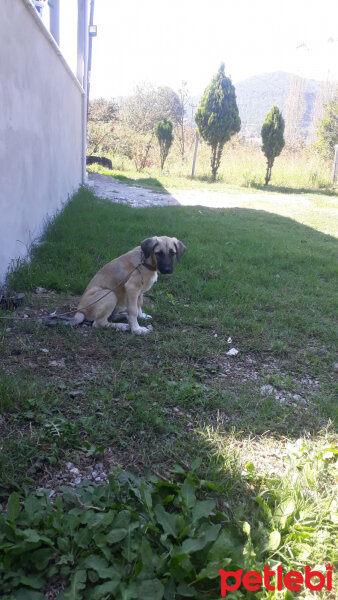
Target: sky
x,y
166,42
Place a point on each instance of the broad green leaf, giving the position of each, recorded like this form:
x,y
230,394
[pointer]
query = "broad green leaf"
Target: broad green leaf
x,y
195,465
146,495
274,540
78,583
178,469
13,507
33,509
170,590
167,520
100,591
188,493
116,535
83,537
122,519
151,589
26,594
206,534
101,566
287,507
63,544
226,546
146,556
211,571
31,535
186,591
202,508
32,581
40,558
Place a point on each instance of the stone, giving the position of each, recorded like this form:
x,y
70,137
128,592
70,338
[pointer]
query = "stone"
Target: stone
x,y
267,390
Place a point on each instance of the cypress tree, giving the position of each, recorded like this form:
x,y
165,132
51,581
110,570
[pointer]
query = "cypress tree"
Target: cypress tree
x,y
164,134
273,138
217,116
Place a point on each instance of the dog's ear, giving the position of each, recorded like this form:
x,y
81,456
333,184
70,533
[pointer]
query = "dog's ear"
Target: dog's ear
x,y
180,248
148,245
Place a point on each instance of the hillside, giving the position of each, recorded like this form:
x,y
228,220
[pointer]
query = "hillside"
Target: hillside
x,y
256,95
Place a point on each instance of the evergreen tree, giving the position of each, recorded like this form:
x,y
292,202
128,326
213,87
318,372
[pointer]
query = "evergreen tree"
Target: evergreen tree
x,y
217,116
328,130
273,138
164,134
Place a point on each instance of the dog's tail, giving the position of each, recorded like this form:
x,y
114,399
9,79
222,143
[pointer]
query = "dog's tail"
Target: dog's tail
x,y
76,320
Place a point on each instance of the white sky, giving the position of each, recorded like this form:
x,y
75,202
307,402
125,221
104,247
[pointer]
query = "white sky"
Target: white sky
x,y
168,41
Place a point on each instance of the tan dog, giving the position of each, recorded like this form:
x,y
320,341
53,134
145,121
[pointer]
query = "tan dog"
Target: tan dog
x,y
117,289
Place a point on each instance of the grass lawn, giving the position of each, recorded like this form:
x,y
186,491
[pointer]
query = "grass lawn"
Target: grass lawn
x,y
101,399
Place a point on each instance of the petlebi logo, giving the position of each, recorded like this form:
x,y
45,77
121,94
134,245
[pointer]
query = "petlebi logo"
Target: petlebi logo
x,y
292,580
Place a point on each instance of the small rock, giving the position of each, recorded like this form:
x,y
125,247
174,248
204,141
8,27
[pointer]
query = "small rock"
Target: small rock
x,y
99,466
75,471
94,474
277,276
76,393
335,367
57,363
40,290
296,397
8,329
25,317
267,390
78,480
232,352
215,335
229,340
51,493
44,350
70,465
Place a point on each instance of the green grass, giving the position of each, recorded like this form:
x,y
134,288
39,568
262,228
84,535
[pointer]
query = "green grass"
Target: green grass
x,y
242,169
147,403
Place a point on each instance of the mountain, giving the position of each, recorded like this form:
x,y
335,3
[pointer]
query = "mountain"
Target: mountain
x,y
256,95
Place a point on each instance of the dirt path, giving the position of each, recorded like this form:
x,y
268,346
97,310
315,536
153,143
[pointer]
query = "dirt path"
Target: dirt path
x,y
307,209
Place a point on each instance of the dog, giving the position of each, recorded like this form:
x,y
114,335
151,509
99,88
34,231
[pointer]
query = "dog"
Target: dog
x,y
100,160
116,291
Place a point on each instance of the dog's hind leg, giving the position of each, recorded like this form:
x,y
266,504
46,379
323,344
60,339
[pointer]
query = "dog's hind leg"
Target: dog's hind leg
x,y
103,311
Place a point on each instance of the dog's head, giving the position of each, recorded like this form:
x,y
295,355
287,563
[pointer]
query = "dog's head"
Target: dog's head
x,y
163,250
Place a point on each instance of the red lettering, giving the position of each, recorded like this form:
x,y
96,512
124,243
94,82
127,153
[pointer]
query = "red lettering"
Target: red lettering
x,y
329,569
293,581
252,581
225,587
314,586
267,575
279,578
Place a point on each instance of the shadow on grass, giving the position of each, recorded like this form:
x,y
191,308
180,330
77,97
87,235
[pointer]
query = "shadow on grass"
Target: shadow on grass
x,y
290,190
148,182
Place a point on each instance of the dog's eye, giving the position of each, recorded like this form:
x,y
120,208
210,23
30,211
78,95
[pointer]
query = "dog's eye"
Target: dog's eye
x,y
172,252
159,253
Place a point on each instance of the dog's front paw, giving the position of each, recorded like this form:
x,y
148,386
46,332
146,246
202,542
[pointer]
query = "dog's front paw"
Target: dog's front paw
x,y
141,330
142,315
120,326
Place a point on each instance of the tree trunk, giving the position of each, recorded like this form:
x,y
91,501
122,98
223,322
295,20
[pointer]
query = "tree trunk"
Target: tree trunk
x,y
216,155
268,171
145,158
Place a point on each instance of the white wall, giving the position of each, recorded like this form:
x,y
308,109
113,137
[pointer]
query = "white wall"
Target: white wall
x,y
40,129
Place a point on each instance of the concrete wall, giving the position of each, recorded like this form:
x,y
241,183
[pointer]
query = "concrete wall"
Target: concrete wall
x,y
40,129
